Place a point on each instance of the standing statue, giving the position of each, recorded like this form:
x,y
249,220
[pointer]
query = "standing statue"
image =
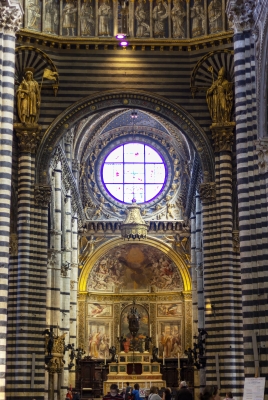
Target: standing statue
x,y
189,353
220,99
69,17
51,21
33,15
105,14
215,16
87,19
198,19
178,15
122,341
28,98
147,341
143,27
160,13
154,354
112,351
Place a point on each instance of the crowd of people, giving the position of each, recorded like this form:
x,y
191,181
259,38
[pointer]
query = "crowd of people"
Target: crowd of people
x,y
129,393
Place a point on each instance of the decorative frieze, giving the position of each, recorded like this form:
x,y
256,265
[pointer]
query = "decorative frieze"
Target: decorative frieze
x,y
207,192
42,195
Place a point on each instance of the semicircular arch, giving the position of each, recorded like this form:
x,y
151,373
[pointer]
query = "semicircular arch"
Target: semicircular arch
x,y
99,102
177,258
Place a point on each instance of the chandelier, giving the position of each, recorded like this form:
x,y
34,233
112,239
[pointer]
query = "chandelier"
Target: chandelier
x,y
134,227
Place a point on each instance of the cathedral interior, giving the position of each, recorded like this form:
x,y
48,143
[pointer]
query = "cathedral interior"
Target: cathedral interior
x,y
133,181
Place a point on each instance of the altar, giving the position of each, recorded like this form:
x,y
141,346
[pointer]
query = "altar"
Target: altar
x,y
146,373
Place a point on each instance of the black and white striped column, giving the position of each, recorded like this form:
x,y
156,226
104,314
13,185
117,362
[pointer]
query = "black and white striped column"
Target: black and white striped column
x,y
10,18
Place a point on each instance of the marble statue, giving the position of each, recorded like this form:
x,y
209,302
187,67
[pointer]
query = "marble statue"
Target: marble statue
x,y
160,13
215,16
198,19
69,17
87,19
142,18
220,99
105,15
33,15
28,99
51,20
178,15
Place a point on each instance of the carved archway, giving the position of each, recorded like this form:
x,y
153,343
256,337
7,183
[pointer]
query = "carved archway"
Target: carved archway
x,y
104,101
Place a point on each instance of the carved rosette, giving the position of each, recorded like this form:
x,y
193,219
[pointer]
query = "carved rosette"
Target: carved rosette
x,y
240,14
207,192
262,152
29,136
188,318
42,195
236,242
10,17
222,136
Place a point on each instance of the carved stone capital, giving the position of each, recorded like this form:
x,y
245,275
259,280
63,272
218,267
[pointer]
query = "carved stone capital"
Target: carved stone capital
x,y
10,15
222,136
262,152
29,136
42,195
188,296
240,14
13,244
207,192
75,165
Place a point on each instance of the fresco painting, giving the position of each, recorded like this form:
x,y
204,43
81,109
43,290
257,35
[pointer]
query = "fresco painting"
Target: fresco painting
x,y
96,310
169,338
134,267
169,309
99,338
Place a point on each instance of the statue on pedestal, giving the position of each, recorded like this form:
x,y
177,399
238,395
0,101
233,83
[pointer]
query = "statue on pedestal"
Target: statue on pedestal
x,y
220,98
28,99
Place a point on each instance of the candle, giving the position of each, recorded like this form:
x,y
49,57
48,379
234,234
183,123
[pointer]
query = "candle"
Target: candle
x,y
118,330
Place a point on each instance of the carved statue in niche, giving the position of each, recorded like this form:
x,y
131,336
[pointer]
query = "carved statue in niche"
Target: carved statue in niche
x,y
105,15
28,98
198,19
215,16
87,19
125,17
69,17
160,13
51,21
220,98
142,17
34,15
178,15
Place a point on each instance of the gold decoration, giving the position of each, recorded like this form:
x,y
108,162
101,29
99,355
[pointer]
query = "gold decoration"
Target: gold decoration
x,y
134,227
220,98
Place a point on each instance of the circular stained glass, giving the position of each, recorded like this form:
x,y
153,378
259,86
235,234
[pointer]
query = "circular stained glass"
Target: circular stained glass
x,y
134,170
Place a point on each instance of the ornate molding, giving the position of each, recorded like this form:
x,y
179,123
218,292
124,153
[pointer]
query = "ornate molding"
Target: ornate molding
x,y
240,14
10,16
207,192
222,136
29,136
42,195
262,153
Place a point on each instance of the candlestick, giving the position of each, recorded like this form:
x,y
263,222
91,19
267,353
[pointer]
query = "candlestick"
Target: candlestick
x,y
118,330
163,357
105,358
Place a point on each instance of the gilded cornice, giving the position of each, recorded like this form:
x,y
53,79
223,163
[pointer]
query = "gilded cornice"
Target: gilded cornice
x,y
100,43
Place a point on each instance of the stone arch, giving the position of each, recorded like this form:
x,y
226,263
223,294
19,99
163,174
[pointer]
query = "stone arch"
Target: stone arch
x,y
103,101
176,257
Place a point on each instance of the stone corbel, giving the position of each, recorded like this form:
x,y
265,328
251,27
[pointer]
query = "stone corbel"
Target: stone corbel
x,y
207,192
